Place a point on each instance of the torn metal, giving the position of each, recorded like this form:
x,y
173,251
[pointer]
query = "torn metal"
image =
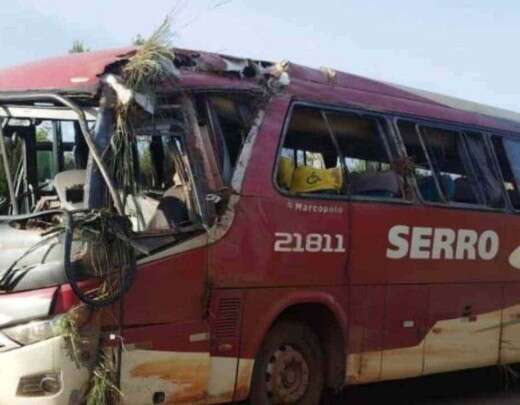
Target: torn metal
x,y
111,176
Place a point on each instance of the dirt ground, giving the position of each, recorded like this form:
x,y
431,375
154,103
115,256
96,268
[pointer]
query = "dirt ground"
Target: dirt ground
x,y
490,386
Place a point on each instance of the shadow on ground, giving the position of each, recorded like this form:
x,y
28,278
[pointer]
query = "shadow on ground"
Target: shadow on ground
x,y
489,386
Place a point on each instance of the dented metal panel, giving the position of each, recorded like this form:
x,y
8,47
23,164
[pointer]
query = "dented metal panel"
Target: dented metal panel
x,y
15,308
77,73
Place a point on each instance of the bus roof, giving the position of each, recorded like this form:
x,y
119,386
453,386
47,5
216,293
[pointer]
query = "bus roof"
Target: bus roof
x,y
79,74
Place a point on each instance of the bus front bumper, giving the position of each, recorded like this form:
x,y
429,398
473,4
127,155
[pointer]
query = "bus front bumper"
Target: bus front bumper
x,y
25,370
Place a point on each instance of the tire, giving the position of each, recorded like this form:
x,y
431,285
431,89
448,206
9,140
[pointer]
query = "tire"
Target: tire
x,y
289,367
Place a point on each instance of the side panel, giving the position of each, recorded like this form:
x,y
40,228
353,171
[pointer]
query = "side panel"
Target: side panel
x,y
510,342
225,323
444,302
466,322
166,333
419,262
365,345
405,323
166,360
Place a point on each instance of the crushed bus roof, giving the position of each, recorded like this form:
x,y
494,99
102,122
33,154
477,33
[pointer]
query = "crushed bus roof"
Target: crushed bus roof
x,y
79,74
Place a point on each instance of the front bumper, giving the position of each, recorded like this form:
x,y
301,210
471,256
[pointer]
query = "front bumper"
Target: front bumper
x,y
48,356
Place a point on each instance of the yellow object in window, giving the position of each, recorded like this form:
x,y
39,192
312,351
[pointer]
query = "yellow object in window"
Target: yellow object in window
x,y
307,179
285,172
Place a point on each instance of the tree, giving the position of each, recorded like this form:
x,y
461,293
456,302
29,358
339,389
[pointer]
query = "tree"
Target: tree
x,y
138,40
79,47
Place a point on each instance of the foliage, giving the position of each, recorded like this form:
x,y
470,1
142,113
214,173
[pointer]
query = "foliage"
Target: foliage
x,y
79,47
42,135
153,62
103,391
139,40
68,328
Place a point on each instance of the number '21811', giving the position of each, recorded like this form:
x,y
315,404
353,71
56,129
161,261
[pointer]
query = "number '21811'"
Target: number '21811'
x,y
312,243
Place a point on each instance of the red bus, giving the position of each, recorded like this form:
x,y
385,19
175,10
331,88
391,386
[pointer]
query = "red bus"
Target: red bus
x,y
303,229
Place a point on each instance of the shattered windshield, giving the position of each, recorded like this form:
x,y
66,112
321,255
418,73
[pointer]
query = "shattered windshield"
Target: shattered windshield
x,y
161,198
41,156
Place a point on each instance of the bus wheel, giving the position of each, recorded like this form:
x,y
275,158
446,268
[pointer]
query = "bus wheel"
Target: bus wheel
x,y
289,367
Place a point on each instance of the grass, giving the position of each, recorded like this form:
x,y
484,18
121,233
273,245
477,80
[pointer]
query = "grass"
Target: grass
x,y
153,61
103,391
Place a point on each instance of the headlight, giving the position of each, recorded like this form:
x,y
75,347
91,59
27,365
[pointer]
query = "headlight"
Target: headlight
x,y
34,331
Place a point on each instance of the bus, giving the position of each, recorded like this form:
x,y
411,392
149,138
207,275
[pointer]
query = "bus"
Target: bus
x,y
292,231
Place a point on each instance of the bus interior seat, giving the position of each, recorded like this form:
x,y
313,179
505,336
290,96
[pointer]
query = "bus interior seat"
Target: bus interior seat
x,y
464,191
514,198
375,184
171,211
140,206
428,188
69,186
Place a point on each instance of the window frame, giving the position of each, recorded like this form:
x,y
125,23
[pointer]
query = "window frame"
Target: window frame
x,y
453,127
382,122
503,136
392,137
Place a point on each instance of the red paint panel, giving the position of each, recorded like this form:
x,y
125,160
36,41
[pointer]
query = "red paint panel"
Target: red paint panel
x,y
65,299
374,310
366,318
372,222
455,301
73,72
178,337
358,316
406,316
511,295
465,322
169,290
392,102
246,258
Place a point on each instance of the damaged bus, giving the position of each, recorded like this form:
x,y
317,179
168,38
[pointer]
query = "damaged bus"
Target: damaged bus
x,y
246,230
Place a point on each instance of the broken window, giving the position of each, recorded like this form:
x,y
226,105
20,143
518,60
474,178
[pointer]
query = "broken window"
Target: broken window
x,y
451,166
367,158
484,169
508,151
336,153
180,155
162,199
309,161
225,120
46,150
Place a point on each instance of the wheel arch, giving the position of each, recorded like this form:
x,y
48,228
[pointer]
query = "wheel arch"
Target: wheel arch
x,y
323,313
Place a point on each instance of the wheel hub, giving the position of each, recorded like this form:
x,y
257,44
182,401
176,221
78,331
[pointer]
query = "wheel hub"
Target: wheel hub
x,y
287,375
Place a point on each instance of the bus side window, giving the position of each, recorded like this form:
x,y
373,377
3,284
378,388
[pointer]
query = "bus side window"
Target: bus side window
x,y
367,159
510,180
316,142
309,160
451,166
424,173
484,169
446,151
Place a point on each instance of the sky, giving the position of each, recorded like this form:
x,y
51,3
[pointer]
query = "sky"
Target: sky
x,y
461,48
